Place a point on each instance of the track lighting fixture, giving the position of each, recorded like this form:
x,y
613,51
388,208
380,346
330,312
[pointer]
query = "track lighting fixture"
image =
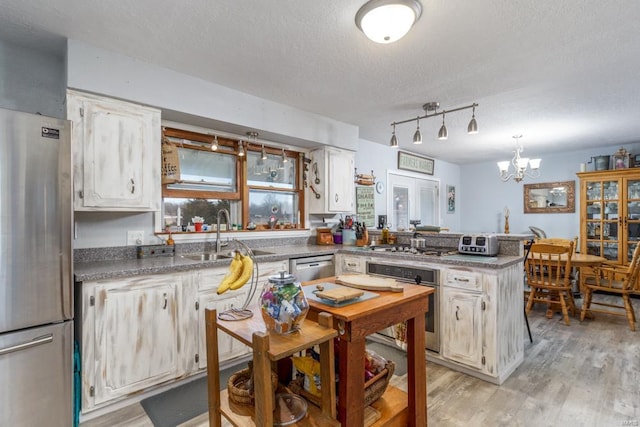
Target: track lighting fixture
x,y
214,143
431,110
442,133
417,137
473,125
394,139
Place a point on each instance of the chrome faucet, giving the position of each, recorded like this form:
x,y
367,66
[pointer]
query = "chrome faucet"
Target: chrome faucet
x,y
218,242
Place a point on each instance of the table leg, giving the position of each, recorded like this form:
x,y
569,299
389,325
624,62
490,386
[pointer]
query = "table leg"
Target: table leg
x,y
416,371
351,382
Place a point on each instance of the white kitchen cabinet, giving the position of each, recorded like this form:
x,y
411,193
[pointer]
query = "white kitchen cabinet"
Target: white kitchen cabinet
x,y
482,323
334,168
228,348
116,150
208,280
351,264
130,336
461,317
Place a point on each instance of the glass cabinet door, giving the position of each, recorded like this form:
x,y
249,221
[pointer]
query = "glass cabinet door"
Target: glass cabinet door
x,y
632,219
603,218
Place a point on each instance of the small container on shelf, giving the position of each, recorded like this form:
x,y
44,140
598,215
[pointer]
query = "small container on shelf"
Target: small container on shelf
x,y
283,304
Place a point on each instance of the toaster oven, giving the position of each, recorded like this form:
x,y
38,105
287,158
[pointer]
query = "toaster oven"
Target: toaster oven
x,y
478,244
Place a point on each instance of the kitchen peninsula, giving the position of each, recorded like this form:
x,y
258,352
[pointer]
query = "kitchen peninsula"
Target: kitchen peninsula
x,y
175,288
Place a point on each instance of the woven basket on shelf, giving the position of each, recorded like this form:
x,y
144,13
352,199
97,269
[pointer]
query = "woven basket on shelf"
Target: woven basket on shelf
x,y
373,389
237,386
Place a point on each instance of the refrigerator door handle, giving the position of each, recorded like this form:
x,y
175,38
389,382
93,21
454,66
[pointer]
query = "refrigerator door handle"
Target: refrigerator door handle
x,y
65,293
45,339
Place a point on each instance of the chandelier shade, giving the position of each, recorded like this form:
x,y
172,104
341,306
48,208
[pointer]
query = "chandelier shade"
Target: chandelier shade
x,y
522,166
386,21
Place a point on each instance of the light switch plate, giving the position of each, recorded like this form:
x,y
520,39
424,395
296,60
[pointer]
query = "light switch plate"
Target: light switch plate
x,y
135,237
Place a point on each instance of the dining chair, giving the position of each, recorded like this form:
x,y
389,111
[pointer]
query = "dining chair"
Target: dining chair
x,y
615,280
548,269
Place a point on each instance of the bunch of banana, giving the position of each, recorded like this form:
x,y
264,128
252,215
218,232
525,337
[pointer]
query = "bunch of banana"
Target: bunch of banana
x,y
239,273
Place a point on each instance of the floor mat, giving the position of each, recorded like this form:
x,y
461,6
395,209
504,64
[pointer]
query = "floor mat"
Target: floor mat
x,y
180,404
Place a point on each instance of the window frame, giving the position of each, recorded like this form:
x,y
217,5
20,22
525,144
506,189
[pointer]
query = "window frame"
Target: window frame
x,y
229,145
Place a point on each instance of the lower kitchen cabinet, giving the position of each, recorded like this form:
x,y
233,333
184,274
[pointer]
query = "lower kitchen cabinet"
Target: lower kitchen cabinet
x,y
482,323
461,317
351,264
208,280
130,336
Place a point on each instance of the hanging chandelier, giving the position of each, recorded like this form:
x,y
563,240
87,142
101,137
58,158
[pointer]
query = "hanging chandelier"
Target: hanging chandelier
x,y
520,165
431,110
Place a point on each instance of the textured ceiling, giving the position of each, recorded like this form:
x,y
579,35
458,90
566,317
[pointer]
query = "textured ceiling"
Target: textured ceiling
x,y
562,73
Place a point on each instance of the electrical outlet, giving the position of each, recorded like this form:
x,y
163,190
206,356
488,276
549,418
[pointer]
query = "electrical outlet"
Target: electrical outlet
x,y
135,237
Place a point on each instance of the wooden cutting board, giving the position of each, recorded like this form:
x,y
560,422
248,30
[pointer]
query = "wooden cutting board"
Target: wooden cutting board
x,y
339,294
370,283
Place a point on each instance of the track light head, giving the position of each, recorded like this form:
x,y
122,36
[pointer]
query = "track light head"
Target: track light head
x,y
473,125
442,133
394,139
417,136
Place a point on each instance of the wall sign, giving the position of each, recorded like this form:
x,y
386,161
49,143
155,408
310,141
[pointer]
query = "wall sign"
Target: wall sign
x,y
365,205
415,163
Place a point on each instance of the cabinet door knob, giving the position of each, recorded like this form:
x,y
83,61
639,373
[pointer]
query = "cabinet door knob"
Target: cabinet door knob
x,y
457,309
133,186
164,307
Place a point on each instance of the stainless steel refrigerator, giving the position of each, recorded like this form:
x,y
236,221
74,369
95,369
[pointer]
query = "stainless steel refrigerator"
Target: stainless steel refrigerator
x,y
36,268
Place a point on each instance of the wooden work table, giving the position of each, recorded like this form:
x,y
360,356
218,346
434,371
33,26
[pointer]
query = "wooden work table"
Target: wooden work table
x,y
354,323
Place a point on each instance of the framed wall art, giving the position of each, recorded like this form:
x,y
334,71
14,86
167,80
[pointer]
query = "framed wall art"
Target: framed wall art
x,y
415,163
451,199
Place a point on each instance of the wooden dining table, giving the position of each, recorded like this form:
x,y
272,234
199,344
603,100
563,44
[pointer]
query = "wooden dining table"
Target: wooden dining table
x,y
585,261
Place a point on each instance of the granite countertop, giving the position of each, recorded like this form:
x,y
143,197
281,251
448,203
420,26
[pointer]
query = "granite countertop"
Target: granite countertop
x,y
115,269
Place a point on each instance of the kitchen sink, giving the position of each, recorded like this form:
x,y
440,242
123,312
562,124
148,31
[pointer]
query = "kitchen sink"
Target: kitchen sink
x,y
257,252
206,256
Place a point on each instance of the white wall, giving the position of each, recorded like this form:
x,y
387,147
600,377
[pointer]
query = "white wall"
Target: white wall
x,y
32,81
483,196
382,158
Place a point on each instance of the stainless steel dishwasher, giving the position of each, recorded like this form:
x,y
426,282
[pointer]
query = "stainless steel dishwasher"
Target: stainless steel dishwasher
x,y
312,267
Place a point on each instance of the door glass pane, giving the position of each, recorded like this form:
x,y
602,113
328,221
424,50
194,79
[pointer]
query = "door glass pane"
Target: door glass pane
x,y
593,248
610,251
633,231
593,190
400,208
426,199
633,190
593,210
611,190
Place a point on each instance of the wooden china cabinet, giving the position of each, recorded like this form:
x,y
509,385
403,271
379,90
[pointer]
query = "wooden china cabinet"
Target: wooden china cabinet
x,y
610,213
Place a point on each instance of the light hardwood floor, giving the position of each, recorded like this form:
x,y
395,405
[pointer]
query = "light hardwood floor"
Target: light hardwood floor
x,y
585,374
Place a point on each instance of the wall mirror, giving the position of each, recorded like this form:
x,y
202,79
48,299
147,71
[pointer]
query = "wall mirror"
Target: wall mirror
x,y
550,197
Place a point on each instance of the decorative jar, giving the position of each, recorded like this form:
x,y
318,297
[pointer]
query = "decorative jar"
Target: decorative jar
x,y
283,304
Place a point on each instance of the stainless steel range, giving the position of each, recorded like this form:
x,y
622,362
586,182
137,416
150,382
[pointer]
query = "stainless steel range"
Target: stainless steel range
x,y
424,250
422,276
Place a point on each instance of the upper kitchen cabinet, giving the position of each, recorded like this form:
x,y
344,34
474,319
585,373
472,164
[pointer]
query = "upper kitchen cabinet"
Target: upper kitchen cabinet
x,y
116,149
330,179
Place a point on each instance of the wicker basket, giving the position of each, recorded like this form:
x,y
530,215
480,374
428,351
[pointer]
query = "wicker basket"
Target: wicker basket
x,y
239,393
373,389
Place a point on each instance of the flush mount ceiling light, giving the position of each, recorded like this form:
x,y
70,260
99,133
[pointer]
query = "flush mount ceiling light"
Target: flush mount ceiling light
x,y
519,165
431,110
386,21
